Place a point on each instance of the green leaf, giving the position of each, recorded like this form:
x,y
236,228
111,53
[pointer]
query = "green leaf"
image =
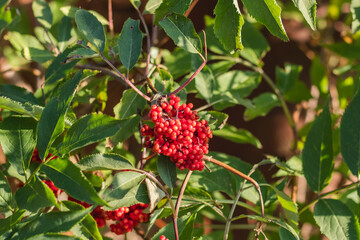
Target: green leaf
x,y
17,94
88,225
350,51
136,3
130,103
204,83
53,222
318,76
350,135
170,6
290,208
52,120
42,12
88,129
308,10
263,104
236,135
355,12
37,55
181,30
18,141
126,189
167,170
151,6
5,193
58,67
91,28
227,13
104,161
8,223
184,228
335,220
136,194
285,78
34,196
127,128
130,43
268,13
216,120
64,34
317,155
255,45
54,236
178,62
82,53
65,175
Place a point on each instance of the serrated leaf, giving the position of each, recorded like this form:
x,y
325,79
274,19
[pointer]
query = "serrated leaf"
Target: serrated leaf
x,y
336,220
42,12
88,225
204,83
317,156
18,94
350,51
151,6
227,13
53,222
34,196
130,103
216,120
64,34
350,135
5,193
263,104
167,170
91,28
52,120
268,13
105,161
308,10
285,234
155,195
170,6
88,129
236,135
65,175
54,236
181,30
18,141
130,43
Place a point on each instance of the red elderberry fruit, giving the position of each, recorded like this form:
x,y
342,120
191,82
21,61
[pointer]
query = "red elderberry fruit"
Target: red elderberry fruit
x,y
162,237
178,133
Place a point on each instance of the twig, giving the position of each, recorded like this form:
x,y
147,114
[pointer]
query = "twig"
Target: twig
x,y
196,72
125,79
242,175
193,4
110,16
178,202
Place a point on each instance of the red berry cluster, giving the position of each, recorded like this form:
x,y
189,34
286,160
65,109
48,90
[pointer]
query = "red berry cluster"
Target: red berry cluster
x,y
178,133
162,237
127,218
51,185
36,158
98,213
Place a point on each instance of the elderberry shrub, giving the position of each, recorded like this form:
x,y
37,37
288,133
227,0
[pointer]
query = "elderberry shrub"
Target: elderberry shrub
x,y
178,133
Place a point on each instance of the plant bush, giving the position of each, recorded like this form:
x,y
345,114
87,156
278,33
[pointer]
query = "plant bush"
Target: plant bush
x,y
75,171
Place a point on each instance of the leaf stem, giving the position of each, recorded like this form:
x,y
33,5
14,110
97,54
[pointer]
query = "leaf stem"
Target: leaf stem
x,y
327,194
196,72
178,202
110,16
125,79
